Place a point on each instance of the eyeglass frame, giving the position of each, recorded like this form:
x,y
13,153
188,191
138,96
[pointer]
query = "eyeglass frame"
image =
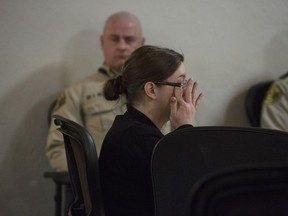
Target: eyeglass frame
x,y
174,84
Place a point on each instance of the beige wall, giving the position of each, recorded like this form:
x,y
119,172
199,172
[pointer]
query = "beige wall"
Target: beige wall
x,y
47,44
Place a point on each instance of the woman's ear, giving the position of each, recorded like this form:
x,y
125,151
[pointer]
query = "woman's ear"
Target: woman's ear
x,y
150,90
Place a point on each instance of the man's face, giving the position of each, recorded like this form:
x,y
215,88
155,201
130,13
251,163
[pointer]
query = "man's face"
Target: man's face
x,y
120,38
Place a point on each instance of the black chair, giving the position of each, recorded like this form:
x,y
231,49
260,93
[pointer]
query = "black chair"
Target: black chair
x,y
246,190
61,179
184,156
254,100
83,168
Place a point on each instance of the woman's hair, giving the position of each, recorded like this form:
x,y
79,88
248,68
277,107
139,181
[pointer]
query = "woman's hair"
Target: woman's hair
x,y
147,63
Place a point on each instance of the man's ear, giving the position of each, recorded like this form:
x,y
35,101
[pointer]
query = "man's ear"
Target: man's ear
x,y
101,41
150,90
143,41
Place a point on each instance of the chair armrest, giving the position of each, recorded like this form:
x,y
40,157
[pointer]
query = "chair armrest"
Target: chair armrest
x,y
58,177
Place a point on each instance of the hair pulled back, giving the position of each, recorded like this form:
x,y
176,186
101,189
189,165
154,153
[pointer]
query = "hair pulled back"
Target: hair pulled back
x,y
145,64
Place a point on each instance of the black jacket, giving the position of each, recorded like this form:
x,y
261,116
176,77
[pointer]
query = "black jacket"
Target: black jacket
x,y
125,165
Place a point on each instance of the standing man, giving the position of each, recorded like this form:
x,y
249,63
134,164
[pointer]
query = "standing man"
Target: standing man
x,y
84,102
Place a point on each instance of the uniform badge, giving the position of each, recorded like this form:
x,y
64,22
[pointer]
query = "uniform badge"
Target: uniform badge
x,y
273,94
60,101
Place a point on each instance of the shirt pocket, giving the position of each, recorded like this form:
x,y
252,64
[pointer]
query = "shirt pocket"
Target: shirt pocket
x,y
99,114
97,106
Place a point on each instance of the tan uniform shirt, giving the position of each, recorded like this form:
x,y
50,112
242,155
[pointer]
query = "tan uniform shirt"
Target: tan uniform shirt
x,y
85,104
275,108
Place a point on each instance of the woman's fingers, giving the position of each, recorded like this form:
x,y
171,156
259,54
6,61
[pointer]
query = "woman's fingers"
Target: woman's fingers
x,y
178,94
198,100
184,103
194,89
189,94
189,91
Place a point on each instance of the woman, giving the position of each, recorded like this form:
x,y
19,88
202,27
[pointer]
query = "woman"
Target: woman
x,y
154,85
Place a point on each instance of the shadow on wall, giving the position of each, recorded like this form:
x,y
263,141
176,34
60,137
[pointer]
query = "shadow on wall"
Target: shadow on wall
x,y
26,191
82,55
275,65
276,55
235,113
23,189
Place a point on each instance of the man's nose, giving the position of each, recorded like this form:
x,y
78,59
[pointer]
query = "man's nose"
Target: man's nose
x,y
122,44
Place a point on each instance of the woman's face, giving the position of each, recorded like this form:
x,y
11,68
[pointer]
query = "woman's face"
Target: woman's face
x,y
166,92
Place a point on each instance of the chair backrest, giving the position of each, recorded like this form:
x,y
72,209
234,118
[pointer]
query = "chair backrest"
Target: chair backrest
x,y
246,190
254,100
83,168
184,156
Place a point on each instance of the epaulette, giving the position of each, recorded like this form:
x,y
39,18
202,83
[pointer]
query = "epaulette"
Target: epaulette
x,y
273,95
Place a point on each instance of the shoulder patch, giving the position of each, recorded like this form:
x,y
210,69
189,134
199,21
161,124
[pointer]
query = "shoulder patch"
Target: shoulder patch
x,y
273,94
60,101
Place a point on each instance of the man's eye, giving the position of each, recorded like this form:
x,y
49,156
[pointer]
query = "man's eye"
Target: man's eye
x,y
115,39
129,40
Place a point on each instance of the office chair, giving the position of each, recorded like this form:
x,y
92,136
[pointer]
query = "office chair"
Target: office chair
x,y
254,101
246,190
184,156
83,168
61,179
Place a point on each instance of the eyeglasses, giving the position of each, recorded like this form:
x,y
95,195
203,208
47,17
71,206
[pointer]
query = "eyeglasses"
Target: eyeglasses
x,y
174,84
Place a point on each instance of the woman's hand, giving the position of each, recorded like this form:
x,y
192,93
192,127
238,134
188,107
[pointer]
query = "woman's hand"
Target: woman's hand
x,y
184,104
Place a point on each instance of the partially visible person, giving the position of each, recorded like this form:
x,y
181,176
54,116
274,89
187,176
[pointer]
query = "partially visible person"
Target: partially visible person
x,y
274,113
83,102
154,84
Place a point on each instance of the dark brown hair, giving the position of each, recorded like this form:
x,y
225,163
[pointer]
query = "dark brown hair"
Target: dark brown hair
x,y
147,63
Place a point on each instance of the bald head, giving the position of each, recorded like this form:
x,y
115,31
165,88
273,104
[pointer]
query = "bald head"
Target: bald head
x,y
122,34
124,15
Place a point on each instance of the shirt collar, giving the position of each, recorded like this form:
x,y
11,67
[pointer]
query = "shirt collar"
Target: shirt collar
x,y
139,116
111,73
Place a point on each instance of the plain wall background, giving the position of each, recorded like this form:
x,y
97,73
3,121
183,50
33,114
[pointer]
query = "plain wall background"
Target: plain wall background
x,y
45,45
